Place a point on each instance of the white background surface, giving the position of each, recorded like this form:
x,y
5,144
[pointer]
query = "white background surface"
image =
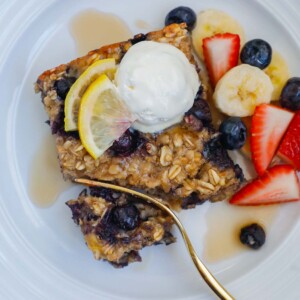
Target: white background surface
x,y
42,254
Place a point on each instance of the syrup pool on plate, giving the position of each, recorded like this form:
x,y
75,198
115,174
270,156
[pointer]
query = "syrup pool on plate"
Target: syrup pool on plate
x,y
92,29
45,181
224,222
143,25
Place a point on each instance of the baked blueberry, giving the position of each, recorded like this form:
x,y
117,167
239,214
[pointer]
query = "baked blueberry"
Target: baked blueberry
x,y
233,133
58,127
125,145
126,216
290,95
76,209
191,201
138,38
239,174
216,153
193,122
107,194
201,111
62,86
253,236
182,14
129,142
257,53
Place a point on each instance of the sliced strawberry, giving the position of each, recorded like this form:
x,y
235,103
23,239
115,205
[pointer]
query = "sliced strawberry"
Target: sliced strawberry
x,y
279,184
269,124
289,149
221,53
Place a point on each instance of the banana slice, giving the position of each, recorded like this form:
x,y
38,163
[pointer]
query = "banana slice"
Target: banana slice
x,y
211,22
279,73
241,89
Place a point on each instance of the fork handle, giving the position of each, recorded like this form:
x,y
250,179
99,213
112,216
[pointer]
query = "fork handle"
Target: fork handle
x,y
211,281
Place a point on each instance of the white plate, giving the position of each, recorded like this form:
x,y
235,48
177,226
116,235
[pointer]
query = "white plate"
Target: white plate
x,y
42,254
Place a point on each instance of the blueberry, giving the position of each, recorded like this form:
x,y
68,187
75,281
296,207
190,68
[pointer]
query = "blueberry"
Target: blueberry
x,y
138,38
201,111
216,154
257,53
290,95
128,143
239,174
233,133
124,145
193,122
107,194
58,126
76,209
105,231
181,14
126,216
62,86
191,201
253,236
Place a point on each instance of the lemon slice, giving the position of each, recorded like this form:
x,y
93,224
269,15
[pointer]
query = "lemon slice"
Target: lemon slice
x,y
103,117
104,66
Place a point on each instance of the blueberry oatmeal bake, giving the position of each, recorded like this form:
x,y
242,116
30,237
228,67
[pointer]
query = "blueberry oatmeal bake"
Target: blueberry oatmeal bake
x,y
184,164
135,113
115,227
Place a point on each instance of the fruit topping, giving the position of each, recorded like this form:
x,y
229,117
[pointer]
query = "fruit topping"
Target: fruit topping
x,y
257,53
233,133
290,96
221,53
103,117
253,236
269,124
279,73
278,184
241,89
289,149
72,103
181,14
126,216
62,86
211,22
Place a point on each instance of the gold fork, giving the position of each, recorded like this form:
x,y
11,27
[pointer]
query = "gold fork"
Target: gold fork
x,y
212,282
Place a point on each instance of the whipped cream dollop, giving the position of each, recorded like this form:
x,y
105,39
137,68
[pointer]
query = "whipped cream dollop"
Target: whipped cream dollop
x,y
158,84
